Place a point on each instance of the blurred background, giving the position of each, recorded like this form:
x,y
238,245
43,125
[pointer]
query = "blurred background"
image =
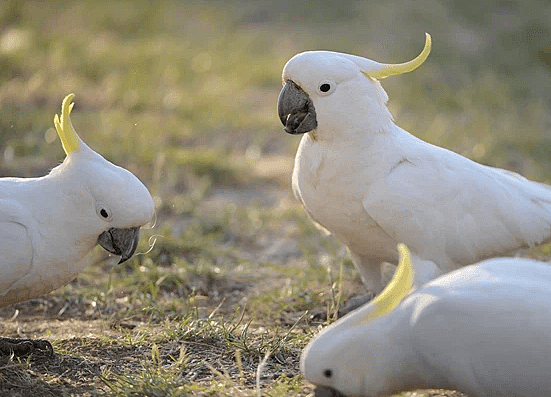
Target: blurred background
x,y
183,94
175,90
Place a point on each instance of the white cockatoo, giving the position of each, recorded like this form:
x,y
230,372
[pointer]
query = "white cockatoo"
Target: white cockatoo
x,y
373,184
49,225
482,330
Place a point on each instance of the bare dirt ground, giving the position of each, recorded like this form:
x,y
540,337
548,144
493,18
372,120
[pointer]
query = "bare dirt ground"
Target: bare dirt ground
x,y
83,354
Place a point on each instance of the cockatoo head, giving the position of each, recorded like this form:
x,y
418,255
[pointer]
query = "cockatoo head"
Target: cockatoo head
x,y
110,200
352,356
329,90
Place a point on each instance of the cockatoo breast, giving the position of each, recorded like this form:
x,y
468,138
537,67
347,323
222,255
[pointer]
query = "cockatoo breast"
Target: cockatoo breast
x,y
327,184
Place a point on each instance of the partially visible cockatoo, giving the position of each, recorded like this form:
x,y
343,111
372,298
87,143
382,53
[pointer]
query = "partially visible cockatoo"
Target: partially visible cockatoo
x,y
49,225
373,184
482,330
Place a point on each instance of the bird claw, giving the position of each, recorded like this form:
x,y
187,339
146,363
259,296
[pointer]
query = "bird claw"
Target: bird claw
x,y
24,347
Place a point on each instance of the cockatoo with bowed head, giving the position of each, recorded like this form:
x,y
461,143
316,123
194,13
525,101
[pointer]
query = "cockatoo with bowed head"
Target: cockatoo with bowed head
x,y
373,184
49,225
482,329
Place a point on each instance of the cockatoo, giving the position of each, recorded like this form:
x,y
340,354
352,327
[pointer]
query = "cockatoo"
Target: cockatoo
x,y
373,184
49,225
482,330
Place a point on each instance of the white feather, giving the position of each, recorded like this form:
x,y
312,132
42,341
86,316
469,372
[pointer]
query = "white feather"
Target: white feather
x,y
482,330
373,185
49,225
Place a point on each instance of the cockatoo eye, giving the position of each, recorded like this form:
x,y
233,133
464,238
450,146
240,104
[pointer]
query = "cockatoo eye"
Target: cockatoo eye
x,y
326,87
328,373
103,212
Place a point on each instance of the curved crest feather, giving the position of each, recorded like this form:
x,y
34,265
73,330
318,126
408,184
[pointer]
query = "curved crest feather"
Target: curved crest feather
x,y
64,127
392,69
397,289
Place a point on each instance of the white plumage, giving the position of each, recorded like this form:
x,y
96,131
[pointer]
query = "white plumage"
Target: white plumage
x,y
373,184
482,330
49,225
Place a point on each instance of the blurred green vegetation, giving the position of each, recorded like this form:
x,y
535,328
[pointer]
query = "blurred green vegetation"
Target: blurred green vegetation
x,y
152,76
183,94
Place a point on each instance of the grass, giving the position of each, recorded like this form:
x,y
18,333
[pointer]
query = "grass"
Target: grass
x,y
183,94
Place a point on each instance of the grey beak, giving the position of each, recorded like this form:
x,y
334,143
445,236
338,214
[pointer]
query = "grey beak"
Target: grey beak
x,y
296,110
121,242
322,391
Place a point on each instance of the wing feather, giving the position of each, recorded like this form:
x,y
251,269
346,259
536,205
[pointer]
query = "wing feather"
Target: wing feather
x,y
454,211
16,249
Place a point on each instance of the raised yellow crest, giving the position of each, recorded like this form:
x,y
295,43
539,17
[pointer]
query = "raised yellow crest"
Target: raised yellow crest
x,y
69,138
391,69
397,289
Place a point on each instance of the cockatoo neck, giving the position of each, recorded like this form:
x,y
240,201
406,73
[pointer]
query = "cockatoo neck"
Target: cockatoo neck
x,y
370,129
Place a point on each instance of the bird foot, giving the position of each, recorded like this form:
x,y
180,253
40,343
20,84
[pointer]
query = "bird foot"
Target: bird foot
x,y
24,347
351,304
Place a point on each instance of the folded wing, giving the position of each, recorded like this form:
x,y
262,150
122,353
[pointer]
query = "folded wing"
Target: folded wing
x,y
454,211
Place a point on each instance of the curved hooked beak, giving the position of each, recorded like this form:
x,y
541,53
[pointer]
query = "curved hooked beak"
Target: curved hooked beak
x,y
323,391
296,110
121,242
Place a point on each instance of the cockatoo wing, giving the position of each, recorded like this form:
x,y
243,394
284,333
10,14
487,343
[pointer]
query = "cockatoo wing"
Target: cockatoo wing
x,y
466,210
495,317
16,249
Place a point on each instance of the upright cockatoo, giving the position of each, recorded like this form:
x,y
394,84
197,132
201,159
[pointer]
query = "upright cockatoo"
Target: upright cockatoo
x,y
49,225
482,330
373,184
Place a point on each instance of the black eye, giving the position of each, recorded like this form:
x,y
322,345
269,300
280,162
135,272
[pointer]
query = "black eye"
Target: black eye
x,y
328,373
325,87
103,211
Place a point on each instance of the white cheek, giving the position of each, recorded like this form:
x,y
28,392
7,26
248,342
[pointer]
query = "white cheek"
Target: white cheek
x,y
333,113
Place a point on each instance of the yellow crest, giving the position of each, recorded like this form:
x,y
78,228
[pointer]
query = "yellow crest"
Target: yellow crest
x,y
397,289
392,69
64,127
